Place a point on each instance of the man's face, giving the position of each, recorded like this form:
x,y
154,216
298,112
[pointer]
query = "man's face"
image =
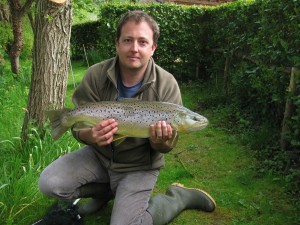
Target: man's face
x,y
135,46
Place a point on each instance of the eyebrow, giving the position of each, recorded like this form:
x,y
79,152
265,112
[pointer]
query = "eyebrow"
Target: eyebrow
x,y
144,38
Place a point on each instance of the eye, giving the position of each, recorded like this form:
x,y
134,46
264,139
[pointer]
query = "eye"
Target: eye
x,y
143,42
127,40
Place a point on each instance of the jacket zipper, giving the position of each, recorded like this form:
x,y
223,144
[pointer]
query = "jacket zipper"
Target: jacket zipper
x,y
112,154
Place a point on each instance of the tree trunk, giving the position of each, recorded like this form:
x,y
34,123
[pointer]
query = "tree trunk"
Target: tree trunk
x,y
17,46
50,61
17,13
289,109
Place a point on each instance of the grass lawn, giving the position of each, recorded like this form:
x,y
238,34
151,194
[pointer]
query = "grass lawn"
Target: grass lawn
x,y
211,159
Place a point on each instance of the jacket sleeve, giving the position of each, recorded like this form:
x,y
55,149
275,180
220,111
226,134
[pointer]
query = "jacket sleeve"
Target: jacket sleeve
x,y
172,92
87,89
167,87
84,93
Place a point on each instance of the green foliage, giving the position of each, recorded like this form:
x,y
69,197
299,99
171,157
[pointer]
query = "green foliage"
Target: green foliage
x,y
28,40
264,31
177,37
6,37
83,11
13,97
262,41
22,162
84,39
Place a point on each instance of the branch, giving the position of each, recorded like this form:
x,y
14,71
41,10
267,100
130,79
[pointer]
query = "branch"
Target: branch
x,y
26,7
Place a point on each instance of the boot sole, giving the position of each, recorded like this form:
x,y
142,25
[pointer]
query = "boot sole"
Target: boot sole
x,y
182,186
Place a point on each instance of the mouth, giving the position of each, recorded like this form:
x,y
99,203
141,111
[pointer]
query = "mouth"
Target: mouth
x,y
133,58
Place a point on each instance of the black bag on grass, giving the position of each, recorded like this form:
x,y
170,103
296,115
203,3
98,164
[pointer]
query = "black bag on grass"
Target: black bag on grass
x,y
62,215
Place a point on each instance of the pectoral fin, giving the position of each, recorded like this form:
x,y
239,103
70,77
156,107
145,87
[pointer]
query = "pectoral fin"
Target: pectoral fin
x,y
82,125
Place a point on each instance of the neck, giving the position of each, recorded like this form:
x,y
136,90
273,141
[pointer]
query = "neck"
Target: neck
x,y
132,77
130,80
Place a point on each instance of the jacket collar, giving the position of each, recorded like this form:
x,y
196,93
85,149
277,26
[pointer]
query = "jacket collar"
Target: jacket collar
x,y
113,71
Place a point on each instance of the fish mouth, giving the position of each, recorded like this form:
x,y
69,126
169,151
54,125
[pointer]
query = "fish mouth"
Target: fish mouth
x,y
198,123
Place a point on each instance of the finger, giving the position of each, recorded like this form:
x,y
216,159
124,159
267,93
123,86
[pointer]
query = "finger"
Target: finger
x,y
108,128
152,132
104,131
105,123
170,131
164,130
105,142
158,130
107,138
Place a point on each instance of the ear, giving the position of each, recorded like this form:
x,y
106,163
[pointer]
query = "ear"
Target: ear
x,y
154,46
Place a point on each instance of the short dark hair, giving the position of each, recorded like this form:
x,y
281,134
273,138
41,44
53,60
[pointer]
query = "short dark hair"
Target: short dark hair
x,y
138,16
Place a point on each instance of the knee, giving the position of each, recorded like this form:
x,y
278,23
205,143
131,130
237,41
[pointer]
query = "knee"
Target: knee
x,y
54,186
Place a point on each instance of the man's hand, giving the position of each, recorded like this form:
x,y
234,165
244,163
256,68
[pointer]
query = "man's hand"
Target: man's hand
x,y
102,134
161,136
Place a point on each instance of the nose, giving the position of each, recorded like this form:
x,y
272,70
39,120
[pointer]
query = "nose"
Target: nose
x,y
134,46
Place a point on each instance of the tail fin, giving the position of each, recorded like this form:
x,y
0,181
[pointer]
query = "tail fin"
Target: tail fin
x,y
55,117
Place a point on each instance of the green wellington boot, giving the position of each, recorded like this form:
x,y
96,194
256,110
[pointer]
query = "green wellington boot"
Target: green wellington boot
x,y
100,194
163,208
93,206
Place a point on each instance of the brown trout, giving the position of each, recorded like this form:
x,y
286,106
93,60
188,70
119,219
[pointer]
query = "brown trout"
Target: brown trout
x,y
133,116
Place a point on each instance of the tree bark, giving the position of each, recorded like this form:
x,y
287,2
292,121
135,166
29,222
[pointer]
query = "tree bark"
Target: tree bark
x,y
17,46
17,13
51,54
289,109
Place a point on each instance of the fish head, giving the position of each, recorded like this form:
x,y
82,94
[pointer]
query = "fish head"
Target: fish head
x,y
188,121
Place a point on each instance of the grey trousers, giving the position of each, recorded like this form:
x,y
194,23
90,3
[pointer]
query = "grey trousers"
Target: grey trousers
x,y
66,177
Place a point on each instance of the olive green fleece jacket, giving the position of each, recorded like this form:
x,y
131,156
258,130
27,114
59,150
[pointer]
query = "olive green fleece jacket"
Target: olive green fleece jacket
x,y
100,84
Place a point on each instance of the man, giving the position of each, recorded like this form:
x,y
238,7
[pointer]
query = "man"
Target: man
x,y
126,172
